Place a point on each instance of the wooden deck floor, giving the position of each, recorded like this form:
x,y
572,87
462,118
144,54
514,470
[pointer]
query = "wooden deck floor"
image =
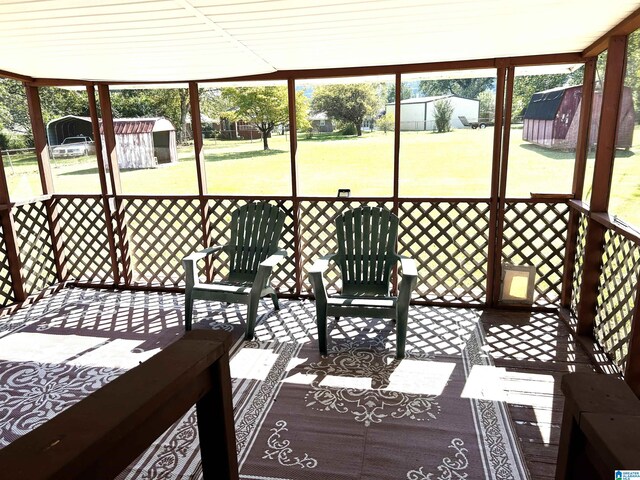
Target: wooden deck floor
x,y
535,349
530,351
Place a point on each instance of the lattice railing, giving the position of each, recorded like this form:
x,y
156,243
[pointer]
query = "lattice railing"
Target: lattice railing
x,y
536,234
449,241
218,219
35,246
616,296
578,264
7,295
160,233
84,238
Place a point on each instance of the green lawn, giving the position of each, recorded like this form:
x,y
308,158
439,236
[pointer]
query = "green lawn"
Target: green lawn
x,y
455,164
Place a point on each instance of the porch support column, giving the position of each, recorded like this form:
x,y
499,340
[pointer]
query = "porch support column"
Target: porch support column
x,y
116,206
495,184
396,165
104,184
46,178
10,240
582,150
601,190
293,146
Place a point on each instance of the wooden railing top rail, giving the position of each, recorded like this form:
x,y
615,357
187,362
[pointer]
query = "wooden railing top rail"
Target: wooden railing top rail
x,y
580,206
101,435
613,223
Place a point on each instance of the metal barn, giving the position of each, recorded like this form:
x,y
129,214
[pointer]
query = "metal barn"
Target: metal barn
x,y
552,118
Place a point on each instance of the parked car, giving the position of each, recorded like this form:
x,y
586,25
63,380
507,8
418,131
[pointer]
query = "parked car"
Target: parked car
x,y
73,147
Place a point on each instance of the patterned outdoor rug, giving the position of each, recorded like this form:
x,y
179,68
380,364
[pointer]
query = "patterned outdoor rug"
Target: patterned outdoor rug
x,y
354,414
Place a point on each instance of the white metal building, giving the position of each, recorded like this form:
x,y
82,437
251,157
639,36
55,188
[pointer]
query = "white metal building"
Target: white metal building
x,y
417,114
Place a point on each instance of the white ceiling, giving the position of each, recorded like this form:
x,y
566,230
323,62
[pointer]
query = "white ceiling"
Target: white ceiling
x,y
172,40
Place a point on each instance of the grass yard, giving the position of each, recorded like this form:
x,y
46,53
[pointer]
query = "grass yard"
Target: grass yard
x,y
455,164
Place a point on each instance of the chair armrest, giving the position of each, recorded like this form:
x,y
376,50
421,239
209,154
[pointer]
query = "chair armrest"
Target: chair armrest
x,y
408,282
316,276
273,260
189,264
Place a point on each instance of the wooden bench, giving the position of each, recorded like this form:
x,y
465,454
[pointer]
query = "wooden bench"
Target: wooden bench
x,y
102,434
600,428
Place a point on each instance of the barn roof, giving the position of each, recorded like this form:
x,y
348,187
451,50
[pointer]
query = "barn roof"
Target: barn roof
x,y
132,126
544,105
173,40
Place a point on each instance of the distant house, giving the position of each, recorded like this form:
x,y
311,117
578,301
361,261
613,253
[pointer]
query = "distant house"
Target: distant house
x,y
140,142
321,123
418,113
552,118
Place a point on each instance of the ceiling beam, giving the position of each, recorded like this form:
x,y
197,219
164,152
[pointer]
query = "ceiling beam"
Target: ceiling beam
x,y
625,27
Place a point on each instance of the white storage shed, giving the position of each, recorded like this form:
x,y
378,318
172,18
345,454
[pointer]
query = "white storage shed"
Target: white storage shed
x,y
417,114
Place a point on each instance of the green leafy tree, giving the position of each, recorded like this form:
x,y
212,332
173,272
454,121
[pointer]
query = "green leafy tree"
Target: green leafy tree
x,y
442,113
462,87
349,103
487,105
264,107
171,103
387,123
405,93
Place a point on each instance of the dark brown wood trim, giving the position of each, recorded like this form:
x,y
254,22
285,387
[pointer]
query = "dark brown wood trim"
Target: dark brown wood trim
x,y
103,433
612,223
582,142
396,141
10,239
40,139
109,139
104,184
495,183
502,188
293,147
632,370
16,76
601,190
580,206
625,27
196,125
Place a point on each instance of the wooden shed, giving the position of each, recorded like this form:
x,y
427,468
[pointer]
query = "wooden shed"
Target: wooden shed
x,y
144,142
552,117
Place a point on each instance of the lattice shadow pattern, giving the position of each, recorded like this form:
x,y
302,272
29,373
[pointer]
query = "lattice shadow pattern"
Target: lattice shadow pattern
x,y
535,234
578,266
449,242
83,233
34,244
218,218
7,296
318,236
161,232
616,296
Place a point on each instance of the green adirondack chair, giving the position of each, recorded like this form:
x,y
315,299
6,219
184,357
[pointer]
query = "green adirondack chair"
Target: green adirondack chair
x,y
366,255
253,252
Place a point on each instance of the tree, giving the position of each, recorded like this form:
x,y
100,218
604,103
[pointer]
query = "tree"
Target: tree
x,y
462,87
387,122
171,103
487,105
350,103
264,107
405,92
442,112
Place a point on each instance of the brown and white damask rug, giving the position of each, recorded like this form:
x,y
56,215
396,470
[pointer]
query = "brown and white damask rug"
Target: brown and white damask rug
x,y
355,414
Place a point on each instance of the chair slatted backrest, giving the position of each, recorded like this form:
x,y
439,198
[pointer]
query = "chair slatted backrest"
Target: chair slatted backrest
x,y
255,232
366,250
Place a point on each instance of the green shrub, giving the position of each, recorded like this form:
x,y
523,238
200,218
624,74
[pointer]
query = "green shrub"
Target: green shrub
x,y
349,129
442,113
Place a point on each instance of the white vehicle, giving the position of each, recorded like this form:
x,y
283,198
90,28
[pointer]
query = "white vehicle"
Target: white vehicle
x,y
73,147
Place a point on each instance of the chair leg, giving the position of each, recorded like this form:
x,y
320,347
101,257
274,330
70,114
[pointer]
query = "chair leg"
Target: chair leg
x,y
321,322
252,313
188,310
401,334
274,299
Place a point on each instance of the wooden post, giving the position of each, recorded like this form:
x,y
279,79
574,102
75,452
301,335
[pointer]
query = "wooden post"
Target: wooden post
x,y
10,240
117,208
46,178
293,145
495,185
104,183
396,166
601,190
632,369
582,151
502,188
